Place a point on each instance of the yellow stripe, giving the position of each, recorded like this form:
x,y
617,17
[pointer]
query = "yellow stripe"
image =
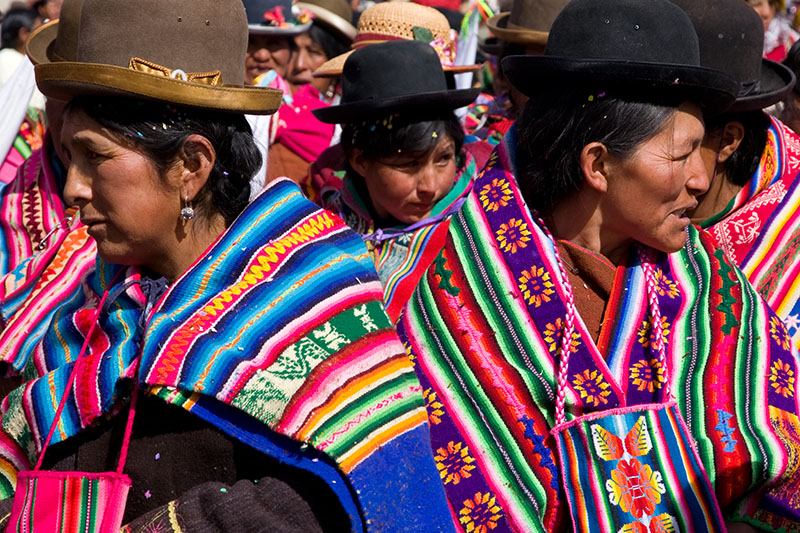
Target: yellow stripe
x,y
367,446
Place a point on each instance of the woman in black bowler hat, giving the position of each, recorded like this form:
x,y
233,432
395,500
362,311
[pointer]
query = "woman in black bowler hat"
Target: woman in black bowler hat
x,y
406,170
591,361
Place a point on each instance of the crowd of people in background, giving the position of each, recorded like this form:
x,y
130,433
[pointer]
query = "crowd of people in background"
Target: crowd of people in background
x,y
448,265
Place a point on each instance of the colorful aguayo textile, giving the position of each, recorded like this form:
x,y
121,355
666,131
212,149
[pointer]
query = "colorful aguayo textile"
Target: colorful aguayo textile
x,y
760,228
484,331
277,329
31,208
28,139
401,257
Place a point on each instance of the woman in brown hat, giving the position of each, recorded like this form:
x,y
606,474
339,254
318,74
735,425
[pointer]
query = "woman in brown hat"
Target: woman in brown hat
x,y
233,360
593,361
406,170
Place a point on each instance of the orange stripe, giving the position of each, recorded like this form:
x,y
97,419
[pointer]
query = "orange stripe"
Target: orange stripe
x,y
360,383
368,446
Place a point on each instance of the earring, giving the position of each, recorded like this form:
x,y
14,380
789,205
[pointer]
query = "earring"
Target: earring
x,y
330,91
187,213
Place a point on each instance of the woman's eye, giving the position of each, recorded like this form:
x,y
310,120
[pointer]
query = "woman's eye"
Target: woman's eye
x,y
446,158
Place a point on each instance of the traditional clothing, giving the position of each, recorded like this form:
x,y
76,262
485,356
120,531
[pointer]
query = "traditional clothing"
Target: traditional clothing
x,y
32,207
403,253
276,331
484,327
759,229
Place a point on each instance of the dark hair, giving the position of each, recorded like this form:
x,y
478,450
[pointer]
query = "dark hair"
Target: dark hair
x,y
158,131
793,62
558,122
14,20
408,133
742,164
331,43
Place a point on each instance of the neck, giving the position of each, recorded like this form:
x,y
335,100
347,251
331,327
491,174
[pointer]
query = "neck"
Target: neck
x,y
579,220
720,192
192,239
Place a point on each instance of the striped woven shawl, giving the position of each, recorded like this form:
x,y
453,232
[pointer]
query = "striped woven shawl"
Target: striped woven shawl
x,y
402,259
760,228
484,331
276,331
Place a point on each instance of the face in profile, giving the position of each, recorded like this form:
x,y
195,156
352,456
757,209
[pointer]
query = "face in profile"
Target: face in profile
x,y
129,208
650,192
405,188
265,53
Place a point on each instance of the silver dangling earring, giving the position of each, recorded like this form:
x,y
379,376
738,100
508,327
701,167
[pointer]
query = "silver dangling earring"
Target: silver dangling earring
x,y
187,213
330,91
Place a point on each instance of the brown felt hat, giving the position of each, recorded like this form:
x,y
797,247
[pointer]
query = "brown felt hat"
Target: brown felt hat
x,y
335,15
186,52
527,23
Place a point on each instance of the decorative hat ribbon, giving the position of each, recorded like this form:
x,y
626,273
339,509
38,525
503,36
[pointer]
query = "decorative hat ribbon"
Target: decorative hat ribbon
x,y
445,46
207,78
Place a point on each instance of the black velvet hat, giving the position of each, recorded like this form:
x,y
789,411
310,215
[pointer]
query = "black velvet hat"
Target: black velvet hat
x,y
731,37
393,77
648,47
275,17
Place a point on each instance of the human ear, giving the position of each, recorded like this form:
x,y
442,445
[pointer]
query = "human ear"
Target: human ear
x,y
358,162
596,163
196,160
732,135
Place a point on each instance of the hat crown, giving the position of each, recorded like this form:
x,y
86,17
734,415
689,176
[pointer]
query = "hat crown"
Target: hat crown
x,y
194,36
398,19
731,36
256,9
65,47
391,70
655,31
537,15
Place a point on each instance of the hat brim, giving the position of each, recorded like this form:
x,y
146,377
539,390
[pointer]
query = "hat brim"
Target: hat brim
x,y
776,81
66,80
491,46
263,29
713,90
353,111
331,20
333,67
40,40
498,26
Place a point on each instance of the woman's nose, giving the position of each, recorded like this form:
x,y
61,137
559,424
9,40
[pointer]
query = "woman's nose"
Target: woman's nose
x,y
77,190
698,179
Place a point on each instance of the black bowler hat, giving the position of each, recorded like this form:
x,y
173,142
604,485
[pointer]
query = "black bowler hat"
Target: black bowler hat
x,y
649,47
731,37
393,77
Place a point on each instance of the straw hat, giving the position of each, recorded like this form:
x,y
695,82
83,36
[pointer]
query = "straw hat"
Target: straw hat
x,y
394,21
649,48
393,77
186,52
333,14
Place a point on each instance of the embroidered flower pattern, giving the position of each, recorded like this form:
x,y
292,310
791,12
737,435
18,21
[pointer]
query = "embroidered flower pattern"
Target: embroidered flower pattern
x,y
648,375
778,332
495,195
434,407
480,514
454,463
646,334
552,336
781,379
592,387
513,235
635,487
536,286
664,285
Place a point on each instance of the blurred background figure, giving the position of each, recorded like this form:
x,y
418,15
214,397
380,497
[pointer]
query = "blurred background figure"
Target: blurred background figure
x,y
17,24
778,32
299,137
47,9
271,24
790,110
